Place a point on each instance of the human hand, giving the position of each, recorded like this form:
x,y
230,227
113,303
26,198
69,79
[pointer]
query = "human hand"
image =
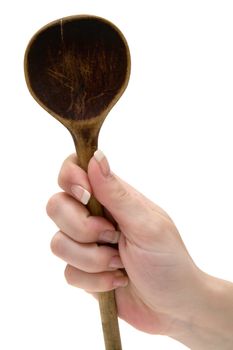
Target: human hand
x,y
163,286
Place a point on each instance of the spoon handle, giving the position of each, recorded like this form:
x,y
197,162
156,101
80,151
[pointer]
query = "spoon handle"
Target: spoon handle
x,y
107,303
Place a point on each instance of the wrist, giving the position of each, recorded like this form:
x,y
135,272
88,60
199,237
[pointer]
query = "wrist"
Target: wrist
x,y
208,321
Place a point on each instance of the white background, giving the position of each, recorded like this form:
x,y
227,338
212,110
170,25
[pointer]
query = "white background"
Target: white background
x,y
170,136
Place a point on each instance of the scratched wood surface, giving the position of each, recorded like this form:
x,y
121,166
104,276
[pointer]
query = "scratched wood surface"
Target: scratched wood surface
x,y
80,67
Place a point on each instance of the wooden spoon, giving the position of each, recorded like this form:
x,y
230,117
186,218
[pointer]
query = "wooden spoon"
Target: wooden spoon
x,y
77,68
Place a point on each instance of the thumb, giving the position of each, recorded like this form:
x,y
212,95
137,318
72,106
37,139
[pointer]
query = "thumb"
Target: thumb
x,y
120,199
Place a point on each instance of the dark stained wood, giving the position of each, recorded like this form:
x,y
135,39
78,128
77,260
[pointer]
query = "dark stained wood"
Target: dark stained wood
x,y
77,68
85,59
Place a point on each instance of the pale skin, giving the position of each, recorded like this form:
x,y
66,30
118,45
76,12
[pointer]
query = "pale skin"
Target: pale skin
x,y
158,287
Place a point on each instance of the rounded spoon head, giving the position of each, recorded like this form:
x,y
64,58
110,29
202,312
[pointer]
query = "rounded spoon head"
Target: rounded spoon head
x,y
77,68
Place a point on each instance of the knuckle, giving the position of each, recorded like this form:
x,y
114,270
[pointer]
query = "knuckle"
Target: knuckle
x,y
119,191
162,224
51,206
68,273
54,204
67,174
122,193
56,244
63,175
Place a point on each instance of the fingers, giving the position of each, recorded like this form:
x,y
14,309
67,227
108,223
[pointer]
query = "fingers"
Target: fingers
x,y
90,266
73,180
95,282
90,258
74,219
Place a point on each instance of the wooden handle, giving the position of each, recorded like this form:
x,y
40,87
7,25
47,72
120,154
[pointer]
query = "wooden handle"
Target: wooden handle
x,y
107,303
108,312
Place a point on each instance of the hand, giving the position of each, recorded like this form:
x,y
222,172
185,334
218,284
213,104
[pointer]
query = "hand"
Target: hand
x,y
163,286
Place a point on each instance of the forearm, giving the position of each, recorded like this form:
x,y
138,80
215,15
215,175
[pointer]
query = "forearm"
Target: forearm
x,y
209,325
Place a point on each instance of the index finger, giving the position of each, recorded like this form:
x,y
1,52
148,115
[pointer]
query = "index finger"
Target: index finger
x,y
72,175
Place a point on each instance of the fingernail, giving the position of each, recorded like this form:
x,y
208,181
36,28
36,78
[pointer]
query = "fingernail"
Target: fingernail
x,y
81,194
109,236
116,263
102,161
120,281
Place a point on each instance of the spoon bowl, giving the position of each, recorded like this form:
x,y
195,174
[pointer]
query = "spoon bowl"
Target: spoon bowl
x,y
77,68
